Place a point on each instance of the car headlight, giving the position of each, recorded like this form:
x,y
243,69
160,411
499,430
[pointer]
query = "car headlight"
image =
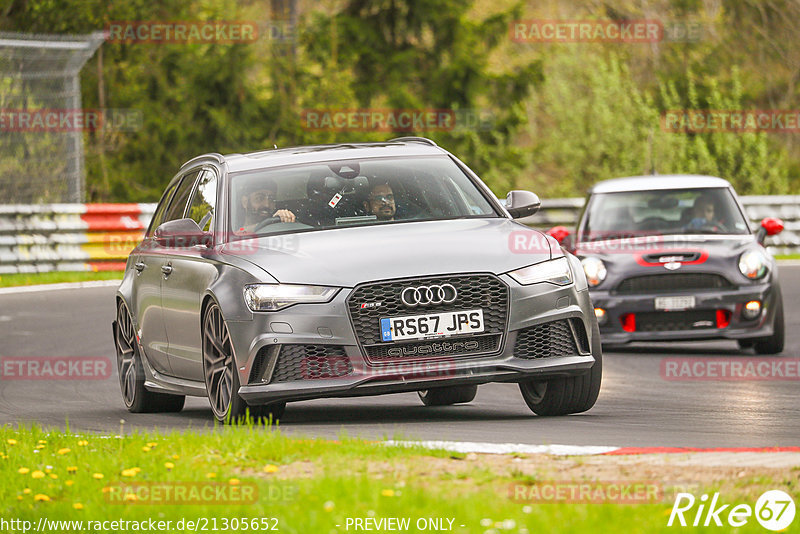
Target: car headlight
x,y
753,264
274,297
595,271
554,271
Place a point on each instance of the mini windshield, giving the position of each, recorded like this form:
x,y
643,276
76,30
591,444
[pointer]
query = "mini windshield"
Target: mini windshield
x,y
336,194
662,212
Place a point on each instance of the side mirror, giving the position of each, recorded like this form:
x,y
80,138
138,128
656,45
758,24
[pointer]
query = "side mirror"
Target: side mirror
x,y
769,226
562,235
181,233
522,204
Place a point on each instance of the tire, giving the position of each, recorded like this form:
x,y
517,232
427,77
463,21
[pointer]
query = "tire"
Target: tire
x,y
130,370
448,395
574,394
222,377
774,344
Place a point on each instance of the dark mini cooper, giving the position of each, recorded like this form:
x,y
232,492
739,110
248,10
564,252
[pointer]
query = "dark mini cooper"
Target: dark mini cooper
x,y
673,258
344,270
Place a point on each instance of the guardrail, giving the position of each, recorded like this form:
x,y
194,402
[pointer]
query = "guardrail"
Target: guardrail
x,y
99,237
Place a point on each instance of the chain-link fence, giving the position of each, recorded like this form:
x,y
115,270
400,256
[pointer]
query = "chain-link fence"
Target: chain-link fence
x,y
42,122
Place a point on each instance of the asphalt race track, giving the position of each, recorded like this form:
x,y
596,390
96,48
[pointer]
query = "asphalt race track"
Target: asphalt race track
x,y
637,407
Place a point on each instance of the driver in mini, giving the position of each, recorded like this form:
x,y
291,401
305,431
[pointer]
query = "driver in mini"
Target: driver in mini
x,y
704,214
258,203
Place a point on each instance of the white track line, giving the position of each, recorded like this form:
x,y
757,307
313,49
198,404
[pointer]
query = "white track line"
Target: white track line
x,y
504,448
53,287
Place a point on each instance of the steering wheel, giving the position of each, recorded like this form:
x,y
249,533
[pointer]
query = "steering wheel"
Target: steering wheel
x,y
266,222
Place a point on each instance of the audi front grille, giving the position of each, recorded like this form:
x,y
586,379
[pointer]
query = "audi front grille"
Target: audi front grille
x,y
368,303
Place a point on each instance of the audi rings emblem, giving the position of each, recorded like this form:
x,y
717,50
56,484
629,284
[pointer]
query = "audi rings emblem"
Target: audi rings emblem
x,y
428,295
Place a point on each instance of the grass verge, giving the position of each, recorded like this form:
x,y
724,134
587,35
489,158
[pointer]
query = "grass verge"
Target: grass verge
x,y
307,485
29,279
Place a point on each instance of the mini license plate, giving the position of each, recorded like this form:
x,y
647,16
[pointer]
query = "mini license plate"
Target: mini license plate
x,y
431,325
674,303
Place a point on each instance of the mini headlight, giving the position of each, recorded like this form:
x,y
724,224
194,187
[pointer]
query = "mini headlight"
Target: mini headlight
x,y
595,271
753,264
273,297
554,271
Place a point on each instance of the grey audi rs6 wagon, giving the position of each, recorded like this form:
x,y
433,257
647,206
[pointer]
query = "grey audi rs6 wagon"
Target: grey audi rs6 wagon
x,y
348,270
673,258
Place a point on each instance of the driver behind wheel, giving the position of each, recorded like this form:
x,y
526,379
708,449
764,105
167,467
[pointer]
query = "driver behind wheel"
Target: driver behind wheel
x,y
258,204
704,213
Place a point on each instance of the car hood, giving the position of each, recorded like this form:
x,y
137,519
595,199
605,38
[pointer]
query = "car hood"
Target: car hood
x,y
348,256
667,254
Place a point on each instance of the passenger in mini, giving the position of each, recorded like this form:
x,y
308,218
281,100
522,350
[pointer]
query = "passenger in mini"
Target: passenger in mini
x,y
381,202
258,202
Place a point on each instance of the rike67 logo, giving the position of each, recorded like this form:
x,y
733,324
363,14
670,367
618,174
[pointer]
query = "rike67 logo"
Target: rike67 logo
x,y
774,510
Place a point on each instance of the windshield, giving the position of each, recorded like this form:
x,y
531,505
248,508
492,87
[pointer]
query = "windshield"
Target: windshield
x,y
662,212
335,194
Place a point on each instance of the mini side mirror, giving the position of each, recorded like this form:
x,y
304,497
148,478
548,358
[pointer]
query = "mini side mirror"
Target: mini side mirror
x,y
181,233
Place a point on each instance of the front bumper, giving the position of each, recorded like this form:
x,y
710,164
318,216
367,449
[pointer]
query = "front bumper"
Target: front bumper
x,y
729,301
329,325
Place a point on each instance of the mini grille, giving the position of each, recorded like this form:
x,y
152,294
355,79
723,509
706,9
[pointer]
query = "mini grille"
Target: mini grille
x,y
545,341
675,320
660,283
311,362
484,291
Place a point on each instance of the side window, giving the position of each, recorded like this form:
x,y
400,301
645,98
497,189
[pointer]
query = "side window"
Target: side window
x,y
204,200
181,198
158,216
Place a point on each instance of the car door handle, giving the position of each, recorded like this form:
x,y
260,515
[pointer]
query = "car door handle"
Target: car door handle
x,y
166,269
139,266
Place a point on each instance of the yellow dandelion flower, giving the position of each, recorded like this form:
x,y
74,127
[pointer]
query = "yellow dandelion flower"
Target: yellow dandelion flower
x,y
233,481
387,493
37,474
23,470
26,491
65,450
169,465
69,482
269,468
41,497
105,489
130,497
128,473
175,457
83,443
211,475
53,475
77,506
137,469
145,449
41,442
98,476
328,506
40,446
19,497
152,444
72,469
11,441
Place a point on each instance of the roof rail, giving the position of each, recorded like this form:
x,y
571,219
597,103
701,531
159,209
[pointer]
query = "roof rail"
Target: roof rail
x,y
213,155
414,140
